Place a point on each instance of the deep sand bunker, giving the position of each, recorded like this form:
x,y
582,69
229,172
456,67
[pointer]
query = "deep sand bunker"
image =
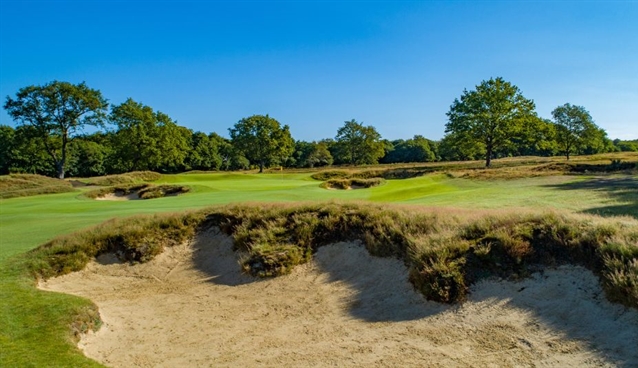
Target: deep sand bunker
x,y
192,307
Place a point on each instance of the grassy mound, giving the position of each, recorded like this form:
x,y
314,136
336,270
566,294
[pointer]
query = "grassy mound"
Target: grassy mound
x,y
128,178
446,252
22,185
143,191
352,183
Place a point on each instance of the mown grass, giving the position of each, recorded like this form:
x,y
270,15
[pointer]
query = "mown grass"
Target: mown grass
x,y
23,185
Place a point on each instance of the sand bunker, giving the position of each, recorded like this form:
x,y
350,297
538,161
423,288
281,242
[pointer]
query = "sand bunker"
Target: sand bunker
x,y
192,307
118,196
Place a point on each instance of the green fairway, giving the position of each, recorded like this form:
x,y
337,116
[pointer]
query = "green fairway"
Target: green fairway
x,y
26,222
29,221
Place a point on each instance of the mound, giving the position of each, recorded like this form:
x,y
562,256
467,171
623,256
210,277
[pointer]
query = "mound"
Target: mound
x,y
23,185
190,306
127,178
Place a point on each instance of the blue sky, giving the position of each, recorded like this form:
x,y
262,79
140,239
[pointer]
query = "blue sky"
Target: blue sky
x,y
314,64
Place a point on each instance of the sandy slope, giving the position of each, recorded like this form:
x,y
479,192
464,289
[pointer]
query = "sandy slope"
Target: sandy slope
x,y
191,307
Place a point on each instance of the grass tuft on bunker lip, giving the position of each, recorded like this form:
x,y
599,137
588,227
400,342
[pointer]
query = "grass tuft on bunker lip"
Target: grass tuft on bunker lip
x,y
445,251
345,184
122,179
142,191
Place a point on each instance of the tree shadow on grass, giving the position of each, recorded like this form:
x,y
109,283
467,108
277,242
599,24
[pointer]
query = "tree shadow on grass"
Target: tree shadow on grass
x,y
621,189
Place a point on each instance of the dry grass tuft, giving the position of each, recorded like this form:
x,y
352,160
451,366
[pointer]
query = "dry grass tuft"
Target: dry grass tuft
x,y
446,251
143,191
121,179
352,183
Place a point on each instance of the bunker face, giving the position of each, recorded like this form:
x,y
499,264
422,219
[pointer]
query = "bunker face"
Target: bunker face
x,y
118,196
191,306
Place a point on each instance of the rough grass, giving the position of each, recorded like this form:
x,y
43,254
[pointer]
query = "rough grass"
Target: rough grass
x,y
22,185
506,168
143,191
446,252
135,239
352,183
128,178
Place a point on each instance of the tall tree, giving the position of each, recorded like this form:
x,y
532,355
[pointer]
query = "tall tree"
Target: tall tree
x,y
58,111
358,144
417,149
262,139
311,154
492,115
204,153
573,126
148,140
7,136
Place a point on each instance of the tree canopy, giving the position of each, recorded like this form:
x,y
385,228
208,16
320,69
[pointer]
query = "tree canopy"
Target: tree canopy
x,y
148,140
577,132
492,121
57,111
491,115
262,140
358,144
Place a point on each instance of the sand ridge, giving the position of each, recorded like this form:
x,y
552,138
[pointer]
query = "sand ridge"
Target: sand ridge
x,y
192,306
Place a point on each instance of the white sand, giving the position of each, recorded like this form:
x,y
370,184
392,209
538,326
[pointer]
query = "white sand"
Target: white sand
x,y
191,307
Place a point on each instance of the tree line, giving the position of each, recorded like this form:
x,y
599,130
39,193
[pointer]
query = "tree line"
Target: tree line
x,y
494,120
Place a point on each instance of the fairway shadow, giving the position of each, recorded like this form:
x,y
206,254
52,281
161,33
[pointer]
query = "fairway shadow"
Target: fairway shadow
x,y
622,189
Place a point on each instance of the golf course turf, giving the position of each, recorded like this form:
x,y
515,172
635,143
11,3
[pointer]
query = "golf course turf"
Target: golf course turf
x,y
38,327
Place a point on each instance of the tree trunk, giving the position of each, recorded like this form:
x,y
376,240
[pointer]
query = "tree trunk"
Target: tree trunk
x,y
488,156
261,166
59,167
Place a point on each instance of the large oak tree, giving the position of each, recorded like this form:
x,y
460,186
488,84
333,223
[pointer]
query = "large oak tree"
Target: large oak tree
x,y
491,115
57,112
147,139
574,128
358,144
262,140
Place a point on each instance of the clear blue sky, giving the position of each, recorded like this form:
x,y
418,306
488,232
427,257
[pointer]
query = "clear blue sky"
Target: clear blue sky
x,y
313,64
